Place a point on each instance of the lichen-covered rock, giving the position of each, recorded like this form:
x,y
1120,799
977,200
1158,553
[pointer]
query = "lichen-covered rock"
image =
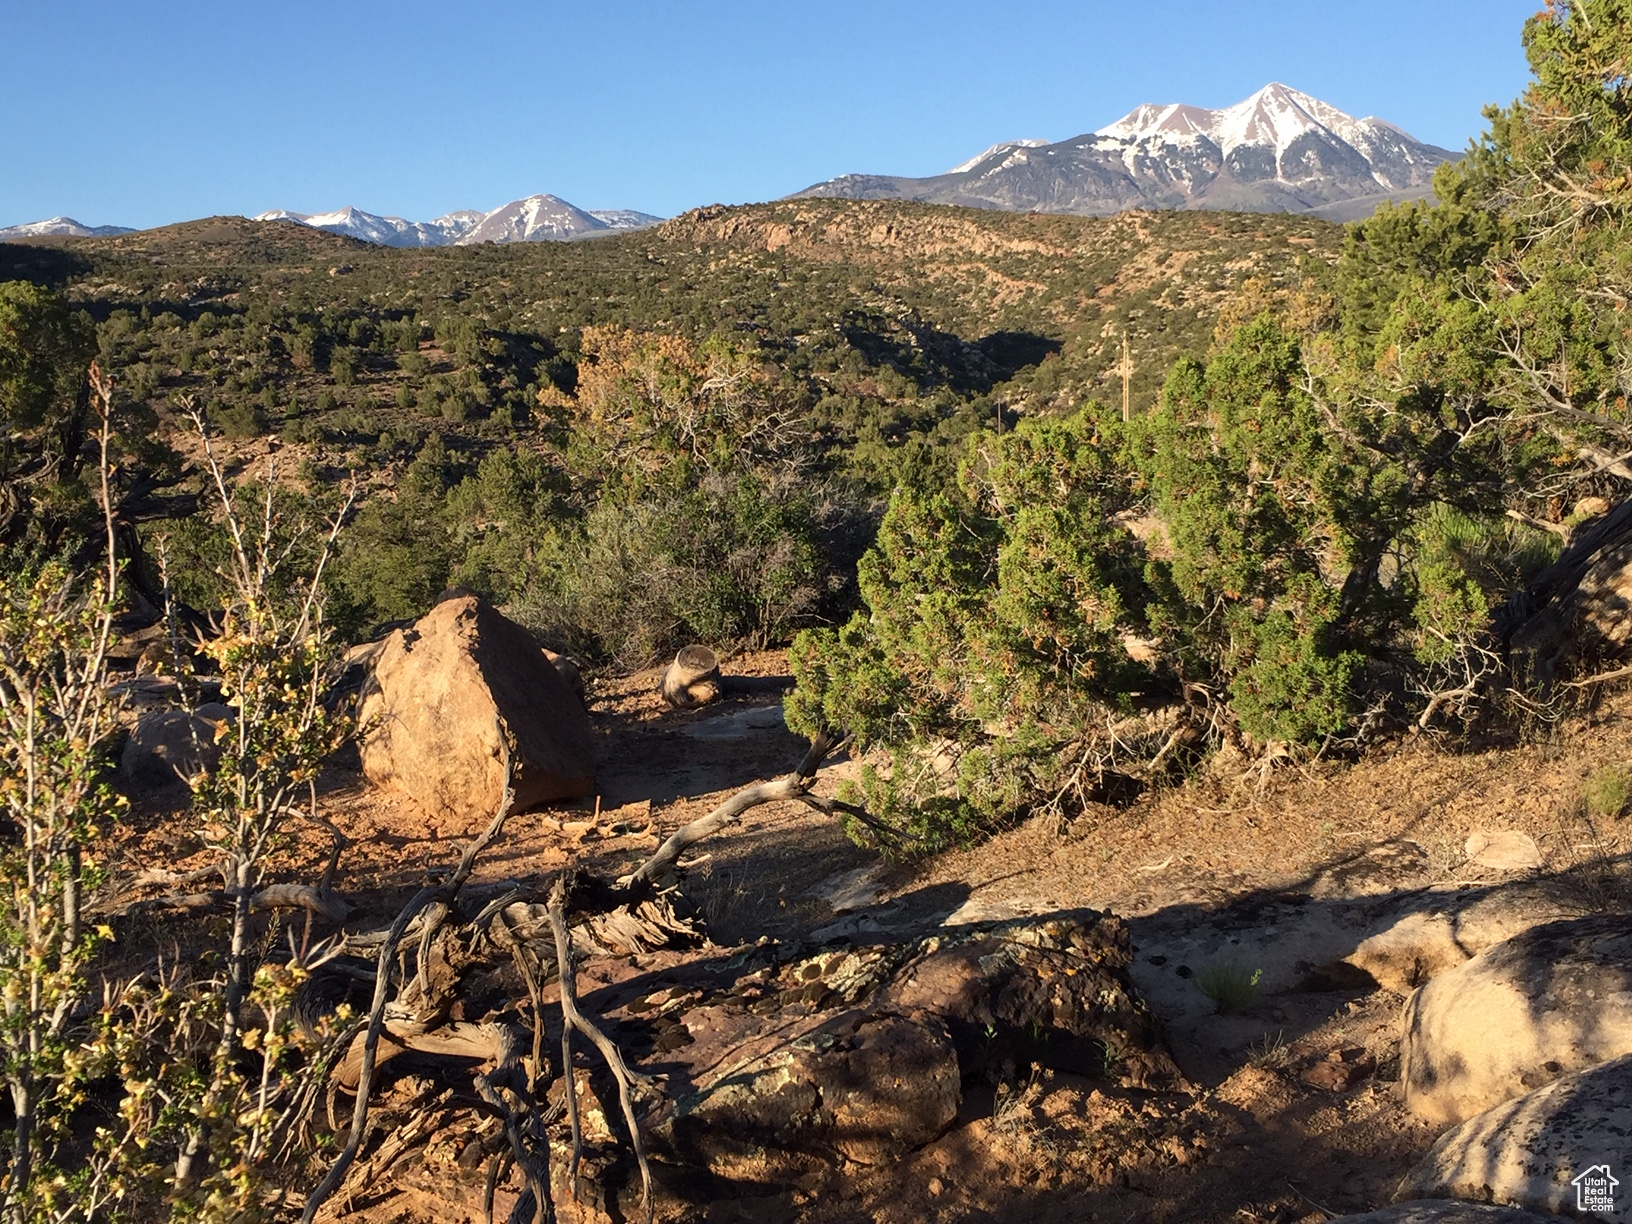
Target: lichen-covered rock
x,y
1529,1152
869,1088
1051,991
456,691
1550,1001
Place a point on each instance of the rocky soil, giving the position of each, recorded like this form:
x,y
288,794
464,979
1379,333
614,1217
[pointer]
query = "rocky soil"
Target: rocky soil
x,y
1274,924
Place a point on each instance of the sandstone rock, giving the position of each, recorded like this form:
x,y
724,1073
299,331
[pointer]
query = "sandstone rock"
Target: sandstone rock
x,y
1444,1211
1503,850
1552,1000
854,890
1377,870
1528,1152
1496,915
1340,1070
1418,947
739,724
166,747
445,696
1455,927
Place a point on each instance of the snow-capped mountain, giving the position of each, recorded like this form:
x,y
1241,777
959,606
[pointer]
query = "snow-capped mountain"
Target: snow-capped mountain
x,y
61,225
1277,151
383,231
539,218
1006,146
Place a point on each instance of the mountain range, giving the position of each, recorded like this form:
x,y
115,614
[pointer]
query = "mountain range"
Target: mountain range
x,y
538,218
1277,151
65,226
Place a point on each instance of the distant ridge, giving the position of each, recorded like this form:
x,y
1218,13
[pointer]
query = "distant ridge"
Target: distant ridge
x,y
538,218
1277,151
66,226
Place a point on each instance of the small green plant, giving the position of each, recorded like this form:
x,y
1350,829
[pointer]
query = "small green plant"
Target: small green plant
x,y
1231,986
1608,791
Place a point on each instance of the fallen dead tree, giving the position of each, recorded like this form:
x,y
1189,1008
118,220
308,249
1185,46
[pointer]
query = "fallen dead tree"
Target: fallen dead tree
x,y
452,931
878,1038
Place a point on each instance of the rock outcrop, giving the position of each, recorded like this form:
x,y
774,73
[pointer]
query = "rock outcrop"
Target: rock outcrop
x,y
1529,1152
786,1061
1453,927
456,692
1553,1000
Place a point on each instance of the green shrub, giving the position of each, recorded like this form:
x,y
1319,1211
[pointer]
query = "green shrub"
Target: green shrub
x,y
1608,792
991,653
732,563
1231,986
238,421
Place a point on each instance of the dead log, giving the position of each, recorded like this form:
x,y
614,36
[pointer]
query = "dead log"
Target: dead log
x,y
693,679
573,1019
445,931
792,786
1575,613
376,1017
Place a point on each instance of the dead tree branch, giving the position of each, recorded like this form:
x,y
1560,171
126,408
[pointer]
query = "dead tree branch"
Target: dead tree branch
x,y
791,786
572,1019
444,894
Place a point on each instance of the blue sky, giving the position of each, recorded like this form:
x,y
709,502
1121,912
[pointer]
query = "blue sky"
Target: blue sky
x,y
149,111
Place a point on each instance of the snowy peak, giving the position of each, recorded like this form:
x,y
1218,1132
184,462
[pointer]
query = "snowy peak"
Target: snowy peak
x,y
65,226
1279,150
999,149
625,218
1148,121
538,218
1274,117
382,231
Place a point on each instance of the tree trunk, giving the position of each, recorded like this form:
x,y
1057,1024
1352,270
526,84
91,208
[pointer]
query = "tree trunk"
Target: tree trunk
x,y
1577,613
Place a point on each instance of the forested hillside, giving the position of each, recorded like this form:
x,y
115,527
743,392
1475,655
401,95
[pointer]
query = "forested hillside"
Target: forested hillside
x,y
824,347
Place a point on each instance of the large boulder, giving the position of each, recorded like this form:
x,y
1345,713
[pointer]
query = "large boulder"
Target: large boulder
x,y
1446,928
1051,991
1549,1150
1550,1001
451,693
